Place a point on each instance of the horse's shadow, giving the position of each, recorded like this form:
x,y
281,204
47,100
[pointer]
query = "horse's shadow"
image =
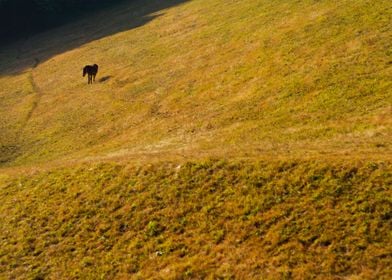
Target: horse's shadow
x,y
104,79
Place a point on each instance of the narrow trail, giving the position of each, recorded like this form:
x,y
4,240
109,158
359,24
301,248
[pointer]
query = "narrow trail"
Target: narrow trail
x,y
8,153
36,99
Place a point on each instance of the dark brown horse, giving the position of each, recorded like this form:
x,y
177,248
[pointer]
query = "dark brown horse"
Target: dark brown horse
x,y
91,71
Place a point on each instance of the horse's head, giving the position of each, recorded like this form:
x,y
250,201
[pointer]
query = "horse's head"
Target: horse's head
x,y
84,71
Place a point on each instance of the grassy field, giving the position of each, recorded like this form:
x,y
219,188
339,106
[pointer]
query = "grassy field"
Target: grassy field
x,y
221,140
208,219
222,78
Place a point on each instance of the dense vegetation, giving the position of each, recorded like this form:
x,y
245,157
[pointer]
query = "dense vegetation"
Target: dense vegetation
x,y
197,220
21,17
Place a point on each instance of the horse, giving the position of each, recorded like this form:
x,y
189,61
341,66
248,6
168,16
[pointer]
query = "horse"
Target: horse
x,y
91,71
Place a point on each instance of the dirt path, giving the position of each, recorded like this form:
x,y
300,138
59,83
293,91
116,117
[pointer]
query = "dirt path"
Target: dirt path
x,y
36,91
12,150
36,99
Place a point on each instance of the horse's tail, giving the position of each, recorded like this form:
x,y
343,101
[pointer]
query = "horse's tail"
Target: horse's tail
x,y
84,71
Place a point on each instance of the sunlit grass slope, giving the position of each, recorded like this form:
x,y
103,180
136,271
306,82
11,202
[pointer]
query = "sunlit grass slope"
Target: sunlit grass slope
x,y
201,220
292,99
204,77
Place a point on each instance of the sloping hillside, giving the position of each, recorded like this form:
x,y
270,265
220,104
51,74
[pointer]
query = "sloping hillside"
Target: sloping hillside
x,y
223,139
204,220
189,78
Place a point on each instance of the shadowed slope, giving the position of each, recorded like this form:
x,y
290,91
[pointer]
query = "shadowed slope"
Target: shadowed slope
x,y
19,56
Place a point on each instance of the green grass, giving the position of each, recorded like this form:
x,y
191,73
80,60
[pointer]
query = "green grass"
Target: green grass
x,y
240,78
208,219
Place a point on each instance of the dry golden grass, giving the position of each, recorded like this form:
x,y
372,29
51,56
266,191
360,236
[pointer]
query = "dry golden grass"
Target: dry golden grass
x,y
245,79
199,220
292,98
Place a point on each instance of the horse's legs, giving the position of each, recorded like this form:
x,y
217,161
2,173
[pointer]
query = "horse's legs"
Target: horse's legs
x,y
90,80
94,77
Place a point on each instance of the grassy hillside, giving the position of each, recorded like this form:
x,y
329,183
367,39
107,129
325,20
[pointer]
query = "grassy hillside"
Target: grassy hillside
x,y
292,100
237,78
200,220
